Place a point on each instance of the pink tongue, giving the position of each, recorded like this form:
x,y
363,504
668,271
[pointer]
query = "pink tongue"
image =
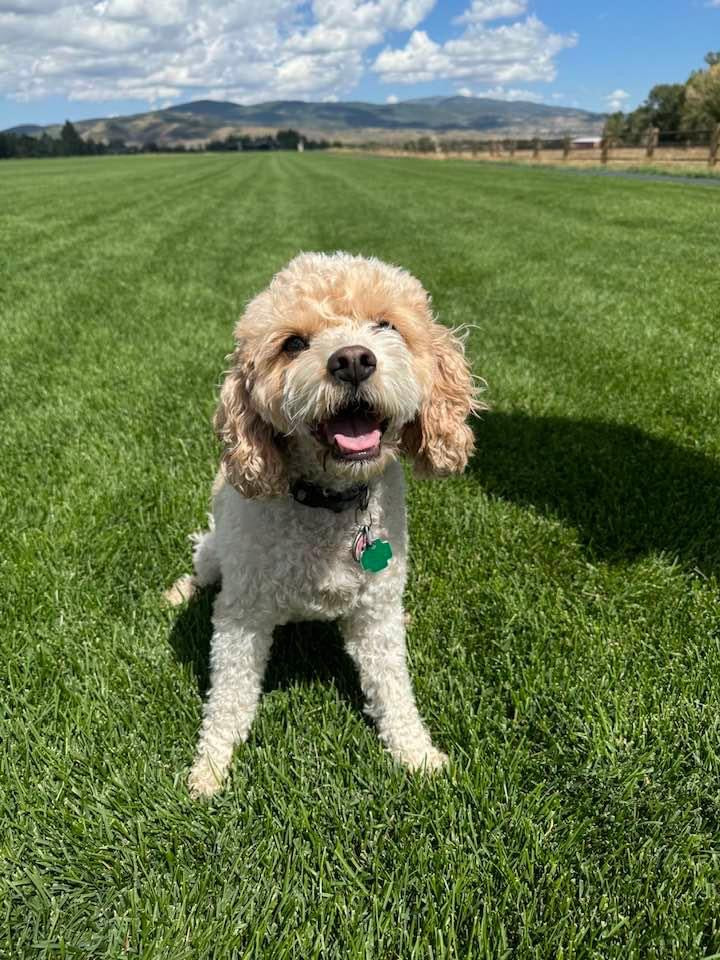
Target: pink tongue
x,y
354,432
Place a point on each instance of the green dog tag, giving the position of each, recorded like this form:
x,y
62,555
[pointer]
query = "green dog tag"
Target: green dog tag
x,y
376,556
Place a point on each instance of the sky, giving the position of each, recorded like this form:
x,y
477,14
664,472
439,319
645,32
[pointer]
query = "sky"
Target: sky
x,y
97,58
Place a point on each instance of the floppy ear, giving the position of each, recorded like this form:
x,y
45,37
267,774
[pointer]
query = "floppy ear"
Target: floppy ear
x,y
252,462
439,439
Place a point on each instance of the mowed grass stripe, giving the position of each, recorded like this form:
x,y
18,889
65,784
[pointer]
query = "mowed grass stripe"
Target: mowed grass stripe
x,y
526,269
565,633
129,220
507,235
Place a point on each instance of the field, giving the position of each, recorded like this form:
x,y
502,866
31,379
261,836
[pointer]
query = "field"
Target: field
x,y
565,631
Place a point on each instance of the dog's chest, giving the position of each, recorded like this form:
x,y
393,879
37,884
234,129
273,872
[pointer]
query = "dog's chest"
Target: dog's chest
x,y
293,562
327,581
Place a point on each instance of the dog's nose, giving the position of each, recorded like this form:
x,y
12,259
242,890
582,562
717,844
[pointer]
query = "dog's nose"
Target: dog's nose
x,y
352,364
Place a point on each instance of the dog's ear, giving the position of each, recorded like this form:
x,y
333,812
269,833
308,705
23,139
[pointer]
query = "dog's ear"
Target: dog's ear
x,y
439,439
252,461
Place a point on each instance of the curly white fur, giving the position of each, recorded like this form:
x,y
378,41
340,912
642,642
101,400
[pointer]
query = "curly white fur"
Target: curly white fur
x,y
280,561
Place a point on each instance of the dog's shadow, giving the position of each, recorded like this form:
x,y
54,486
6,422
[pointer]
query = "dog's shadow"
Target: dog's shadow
x,y
627,493
302,653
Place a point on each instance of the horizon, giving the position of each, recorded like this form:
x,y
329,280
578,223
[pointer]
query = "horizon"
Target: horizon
x,y
259,103
124,57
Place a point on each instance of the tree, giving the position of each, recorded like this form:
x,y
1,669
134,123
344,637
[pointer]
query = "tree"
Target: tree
x,y
665,105
73,143
678,110
46,146
287,139
616,125
702,99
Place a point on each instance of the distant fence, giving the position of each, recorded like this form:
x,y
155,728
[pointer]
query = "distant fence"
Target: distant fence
x,y
698,146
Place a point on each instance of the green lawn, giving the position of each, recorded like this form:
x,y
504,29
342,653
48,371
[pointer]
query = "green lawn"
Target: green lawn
x,y
565,635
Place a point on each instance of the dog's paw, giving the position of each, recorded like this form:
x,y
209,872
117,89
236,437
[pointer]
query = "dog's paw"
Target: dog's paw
x,y
204,779
182,590
433,760
426,760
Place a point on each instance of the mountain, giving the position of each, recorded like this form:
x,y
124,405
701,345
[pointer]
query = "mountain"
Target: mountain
x,y
202,120
28,129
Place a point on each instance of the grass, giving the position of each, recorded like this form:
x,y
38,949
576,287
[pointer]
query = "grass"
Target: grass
x,y
565,635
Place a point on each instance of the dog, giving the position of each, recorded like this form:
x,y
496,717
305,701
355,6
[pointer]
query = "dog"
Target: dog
x,y
339,369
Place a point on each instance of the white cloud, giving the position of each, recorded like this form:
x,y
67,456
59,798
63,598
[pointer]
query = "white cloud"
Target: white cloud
x,y
356,25
171,50
481,11
391,99
31,6
502,93
161,13
524,51
617,99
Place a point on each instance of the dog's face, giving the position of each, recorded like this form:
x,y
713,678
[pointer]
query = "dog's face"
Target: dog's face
x,y
339,368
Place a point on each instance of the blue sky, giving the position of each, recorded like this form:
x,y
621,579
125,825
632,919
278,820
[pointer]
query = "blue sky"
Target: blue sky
x,y
85,58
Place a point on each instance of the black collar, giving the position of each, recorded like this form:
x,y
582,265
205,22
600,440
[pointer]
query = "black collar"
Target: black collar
x,y
310,495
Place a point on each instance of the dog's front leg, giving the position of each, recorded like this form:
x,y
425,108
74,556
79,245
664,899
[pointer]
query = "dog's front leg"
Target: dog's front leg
x,y
238,657
375,639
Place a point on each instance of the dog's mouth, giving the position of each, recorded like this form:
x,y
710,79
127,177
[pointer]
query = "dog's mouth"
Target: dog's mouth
x,y
353,433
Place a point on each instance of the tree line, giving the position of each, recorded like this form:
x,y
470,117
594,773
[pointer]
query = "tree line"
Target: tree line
x,y
283,140
68,144
680,111
71,144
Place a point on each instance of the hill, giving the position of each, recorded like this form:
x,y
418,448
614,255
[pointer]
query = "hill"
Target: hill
x,y
353,121
26,129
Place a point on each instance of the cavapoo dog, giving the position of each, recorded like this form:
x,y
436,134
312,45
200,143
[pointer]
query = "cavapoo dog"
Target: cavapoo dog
x,y
338,370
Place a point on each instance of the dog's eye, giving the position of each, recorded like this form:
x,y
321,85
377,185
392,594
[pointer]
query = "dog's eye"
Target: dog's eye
x,y
384,325
295,344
